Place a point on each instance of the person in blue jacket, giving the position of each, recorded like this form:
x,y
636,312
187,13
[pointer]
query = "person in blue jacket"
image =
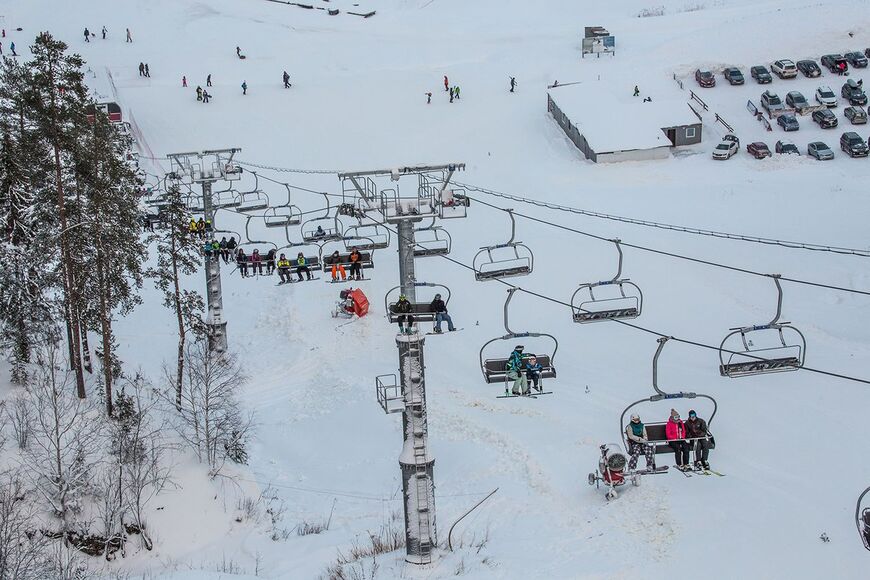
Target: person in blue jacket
x,y
533,372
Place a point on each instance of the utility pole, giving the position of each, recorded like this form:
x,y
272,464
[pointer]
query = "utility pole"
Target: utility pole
x,y
205,168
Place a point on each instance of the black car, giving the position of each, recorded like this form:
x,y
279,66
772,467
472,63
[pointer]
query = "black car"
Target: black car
x,y
825,118
796,100
787,147
835,63
809,68
761,74
733,76
788,122
856,59
853,144
856,115
853,91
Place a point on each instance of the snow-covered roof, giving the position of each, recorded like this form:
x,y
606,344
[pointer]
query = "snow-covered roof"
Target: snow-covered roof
x,y
611,119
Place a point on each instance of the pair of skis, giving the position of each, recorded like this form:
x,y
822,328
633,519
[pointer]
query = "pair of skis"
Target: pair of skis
x,y
688,473
529,395
296,281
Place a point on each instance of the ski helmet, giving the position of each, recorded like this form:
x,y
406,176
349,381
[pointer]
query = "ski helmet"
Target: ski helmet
x,y
635,417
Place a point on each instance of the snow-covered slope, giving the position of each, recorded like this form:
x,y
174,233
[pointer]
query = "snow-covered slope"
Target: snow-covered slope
x,y
791,444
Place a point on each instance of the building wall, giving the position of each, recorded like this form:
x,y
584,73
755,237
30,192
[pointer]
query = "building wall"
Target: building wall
x,y
570,129
686,134
662,152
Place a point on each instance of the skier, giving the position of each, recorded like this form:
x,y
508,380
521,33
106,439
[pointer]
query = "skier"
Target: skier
x,y
270,261
200,227
636,91
446,84
440,309
428,98
184,81
337,266
405,320
1,48
225,252
456,91
676,433
302,266
533,373
87,34
638,442
208,80
191,229
215,248
199,93
451,94
513,83
104,32
244,88
696,428
141,69
256,263
147,72
12,48
242,263
206,249
129,36
355,264
205,96
238,52
515,372
284,269
287,84
232,245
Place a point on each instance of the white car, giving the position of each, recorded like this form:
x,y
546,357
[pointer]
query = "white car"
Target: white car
x,y
825,96
726,149
785,69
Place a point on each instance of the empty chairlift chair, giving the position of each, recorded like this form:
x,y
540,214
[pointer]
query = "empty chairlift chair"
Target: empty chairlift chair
x,y
742,358
253,200
432,241
504,260
283,215
627,305
495,369
366,237
421,311
862,519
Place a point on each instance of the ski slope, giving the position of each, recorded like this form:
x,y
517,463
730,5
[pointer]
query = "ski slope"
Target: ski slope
x,y
791,444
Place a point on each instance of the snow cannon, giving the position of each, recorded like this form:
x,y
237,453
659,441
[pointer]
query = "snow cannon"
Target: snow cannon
x,y
611,470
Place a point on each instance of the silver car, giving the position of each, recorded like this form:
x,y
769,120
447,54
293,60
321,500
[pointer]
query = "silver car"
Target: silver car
x,y
820,151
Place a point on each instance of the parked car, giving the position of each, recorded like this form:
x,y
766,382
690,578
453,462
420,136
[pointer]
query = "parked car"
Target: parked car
x,y
856,115
726,149
761,74
853,91
825,118
784,69
853,144
788,122
809,68
771,102
825,96
758,150
856,59
733,76
835,63
796,100
820,151
705,78
787,147
867,52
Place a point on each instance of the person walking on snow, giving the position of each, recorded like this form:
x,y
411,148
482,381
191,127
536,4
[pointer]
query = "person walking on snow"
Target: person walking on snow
x,y
199,93
456,91
244,88
638,442
147,72
238,52
287,84
696,428
129,36
104,31
87,35
141,69
513,83
636,91
428,98
446,84
12,48
205,97
208,80
184,81
451,94
439,307
515,372
675,430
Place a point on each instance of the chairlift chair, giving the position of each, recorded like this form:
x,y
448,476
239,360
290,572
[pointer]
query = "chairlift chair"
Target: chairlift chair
x,y
367,237
396,208
329,223
596,309
862,519
504,260
311,253
656,429
194,203
366,257
255,199
495,369
229,197
282,216
789,355
452,204
432,241
421,311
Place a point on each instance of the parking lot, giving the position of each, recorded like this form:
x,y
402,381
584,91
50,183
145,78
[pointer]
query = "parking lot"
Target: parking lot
x,y
730,102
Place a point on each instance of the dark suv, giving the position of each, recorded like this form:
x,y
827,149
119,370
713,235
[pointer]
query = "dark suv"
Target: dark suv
x,y
835,63
825,118
853,144
761,74
856,59
809,68
853,91
733,76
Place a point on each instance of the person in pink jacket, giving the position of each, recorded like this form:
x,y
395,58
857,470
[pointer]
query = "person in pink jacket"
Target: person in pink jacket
x,y
676,434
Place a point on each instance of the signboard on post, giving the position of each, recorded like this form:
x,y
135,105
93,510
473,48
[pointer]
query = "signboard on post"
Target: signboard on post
x,y
597,40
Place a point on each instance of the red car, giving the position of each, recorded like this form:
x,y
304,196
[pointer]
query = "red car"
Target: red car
x,y
758,150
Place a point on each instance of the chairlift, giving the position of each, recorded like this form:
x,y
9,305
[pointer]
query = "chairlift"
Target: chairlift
x,y
396,208
255,199
788,355
249,245
366,257
194,203
862,519
229,197
432,241
596,309
421,311
504,260
656,429
495,369
330,232
367,237
310,251
282,216
452,203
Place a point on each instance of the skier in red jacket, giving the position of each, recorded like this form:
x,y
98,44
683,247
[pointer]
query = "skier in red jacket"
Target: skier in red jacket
x,y
676,433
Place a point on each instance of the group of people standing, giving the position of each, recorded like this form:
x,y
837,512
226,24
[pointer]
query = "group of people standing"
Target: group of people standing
x,y
681,435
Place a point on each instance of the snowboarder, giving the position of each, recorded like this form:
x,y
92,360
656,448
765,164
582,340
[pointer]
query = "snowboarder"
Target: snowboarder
x,y
184,81
270,261
129,36
244,88
12,48
513,83
284,269
515,372
287,84
428,98
302,266
225,252
242,263
238,52
141,69
451,94
446,84
355,264
456,91
337,266
208,80
405,320
104,31
636,91
256,263
638,442
440,308
696,428
676,433
147,71
533,372
87,35
205,96
199,92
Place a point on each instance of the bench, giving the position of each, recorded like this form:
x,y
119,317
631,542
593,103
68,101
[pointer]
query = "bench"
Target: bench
x,y
422,312
657,437
344,260
313,262
617,313
495,369
503,272
754,367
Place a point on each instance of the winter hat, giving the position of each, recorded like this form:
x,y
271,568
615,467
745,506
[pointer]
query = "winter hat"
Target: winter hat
x,y
692,413
635,417
519,347
674,414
